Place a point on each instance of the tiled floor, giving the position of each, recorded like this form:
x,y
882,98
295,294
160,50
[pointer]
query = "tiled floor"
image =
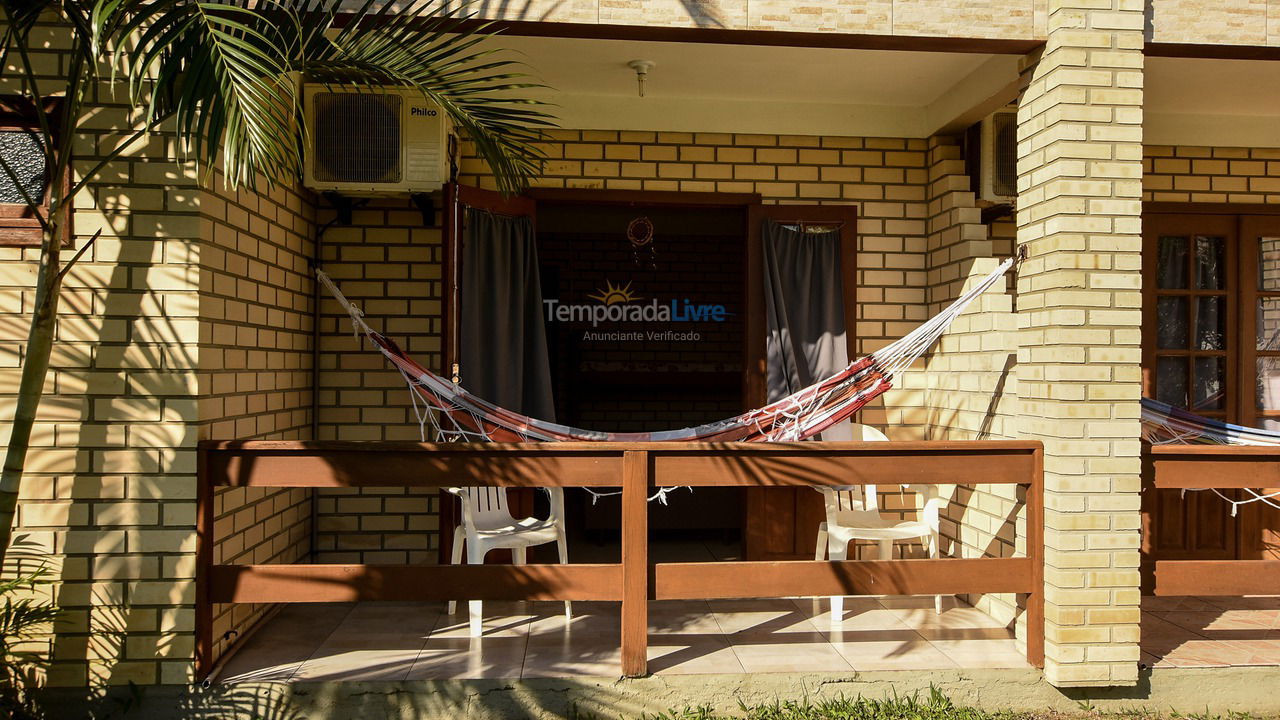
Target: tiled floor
x,y
413,641
1210,631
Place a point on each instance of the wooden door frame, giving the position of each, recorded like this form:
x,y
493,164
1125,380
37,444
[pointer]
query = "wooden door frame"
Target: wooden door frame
x,y
1247,220
756,536
456,197
755,332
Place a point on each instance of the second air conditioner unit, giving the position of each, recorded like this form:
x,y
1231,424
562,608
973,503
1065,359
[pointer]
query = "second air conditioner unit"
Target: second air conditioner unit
x,y
374,142
998,164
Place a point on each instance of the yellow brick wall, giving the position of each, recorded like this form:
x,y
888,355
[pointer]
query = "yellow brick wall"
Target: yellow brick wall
x,y
1190,173
1079,313
970,377
1217,22
389,264
972,18
255,367
110,482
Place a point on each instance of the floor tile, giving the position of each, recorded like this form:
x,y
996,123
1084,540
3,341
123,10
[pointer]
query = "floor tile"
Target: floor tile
x,y
759,616
468,658
1207,653
276,650
395,641
898,654
571,656
500,619
973,654
357,665
703,656
803,652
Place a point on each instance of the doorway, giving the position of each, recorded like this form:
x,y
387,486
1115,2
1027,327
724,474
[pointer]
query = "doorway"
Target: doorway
x,y
1211,299
646,330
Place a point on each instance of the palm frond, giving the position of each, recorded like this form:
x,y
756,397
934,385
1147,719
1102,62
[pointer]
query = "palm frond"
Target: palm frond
x,y
220,69
437,53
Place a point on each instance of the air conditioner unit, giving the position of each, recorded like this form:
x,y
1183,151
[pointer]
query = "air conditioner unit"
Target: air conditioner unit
x,y
998,167
374,142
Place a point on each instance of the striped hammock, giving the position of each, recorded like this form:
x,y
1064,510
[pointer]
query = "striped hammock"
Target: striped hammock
x,y
1167,425
456,415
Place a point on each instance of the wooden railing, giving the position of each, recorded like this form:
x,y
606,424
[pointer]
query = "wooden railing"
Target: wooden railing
x,y
1222,467
637,468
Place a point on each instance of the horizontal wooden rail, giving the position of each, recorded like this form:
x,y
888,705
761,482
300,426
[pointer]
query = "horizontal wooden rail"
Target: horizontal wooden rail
x,y
637,468
808,578
403,583
1217,577
1222,467
1214,466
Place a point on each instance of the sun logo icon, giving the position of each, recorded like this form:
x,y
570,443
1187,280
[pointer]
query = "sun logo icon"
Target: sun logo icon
x,y
614,294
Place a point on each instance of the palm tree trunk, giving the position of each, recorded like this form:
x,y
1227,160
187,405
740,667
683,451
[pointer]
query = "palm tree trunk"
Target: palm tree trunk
x,y
35,368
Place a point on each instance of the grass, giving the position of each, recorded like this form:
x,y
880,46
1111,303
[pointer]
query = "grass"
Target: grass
x,y
935,706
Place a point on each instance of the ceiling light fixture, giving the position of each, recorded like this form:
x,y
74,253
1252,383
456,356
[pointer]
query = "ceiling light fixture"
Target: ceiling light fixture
x,y
642,68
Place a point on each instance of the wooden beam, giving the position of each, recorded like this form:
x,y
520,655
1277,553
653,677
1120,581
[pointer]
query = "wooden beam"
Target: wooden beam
x,y
735,36
873,464
577,464
804,578
1217,577
356,467
352,583
1214,466
635,563
1035,551
204,567
1216,51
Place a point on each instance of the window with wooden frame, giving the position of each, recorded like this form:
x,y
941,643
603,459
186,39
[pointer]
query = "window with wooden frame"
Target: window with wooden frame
x,y
1211,325
21,146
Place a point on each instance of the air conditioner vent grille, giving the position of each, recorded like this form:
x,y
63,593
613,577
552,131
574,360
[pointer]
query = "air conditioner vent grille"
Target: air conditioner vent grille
x,y
1005,165
373,118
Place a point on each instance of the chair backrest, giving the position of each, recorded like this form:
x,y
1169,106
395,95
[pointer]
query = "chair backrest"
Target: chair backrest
x,y
484,508
854,498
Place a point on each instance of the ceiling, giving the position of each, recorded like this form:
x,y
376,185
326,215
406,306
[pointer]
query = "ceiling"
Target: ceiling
x,y
1203,101
742,88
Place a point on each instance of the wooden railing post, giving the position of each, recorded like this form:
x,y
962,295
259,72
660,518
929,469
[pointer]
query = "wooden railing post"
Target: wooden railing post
x,y
204,565
1035,550
635,562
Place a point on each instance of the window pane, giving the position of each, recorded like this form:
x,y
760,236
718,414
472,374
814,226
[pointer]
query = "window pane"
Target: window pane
x,y
1269,263
1211,323
1268,423
1269,383
1269,323
1211,263
22,151
1171,273
1171,323
1171,381
1210,389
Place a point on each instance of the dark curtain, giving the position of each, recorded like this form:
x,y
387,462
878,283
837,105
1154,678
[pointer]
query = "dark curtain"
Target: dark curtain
x,y
804,298
503,344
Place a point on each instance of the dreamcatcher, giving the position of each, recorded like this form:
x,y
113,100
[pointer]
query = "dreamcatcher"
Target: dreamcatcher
x,y
640,234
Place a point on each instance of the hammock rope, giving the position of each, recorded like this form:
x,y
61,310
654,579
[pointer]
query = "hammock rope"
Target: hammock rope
x,y
1164,424
455,415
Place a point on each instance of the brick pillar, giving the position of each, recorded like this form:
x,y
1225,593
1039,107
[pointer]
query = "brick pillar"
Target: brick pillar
x,y
1079,307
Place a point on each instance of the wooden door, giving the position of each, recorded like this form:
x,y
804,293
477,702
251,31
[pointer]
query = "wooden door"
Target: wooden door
x,y
1211,294
1189,333
782,523
1260,364
457,198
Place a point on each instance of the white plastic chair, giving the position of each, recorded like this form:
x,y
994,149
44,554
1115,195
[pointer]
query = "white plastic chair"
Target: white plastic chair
x,y
853,514
487,525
